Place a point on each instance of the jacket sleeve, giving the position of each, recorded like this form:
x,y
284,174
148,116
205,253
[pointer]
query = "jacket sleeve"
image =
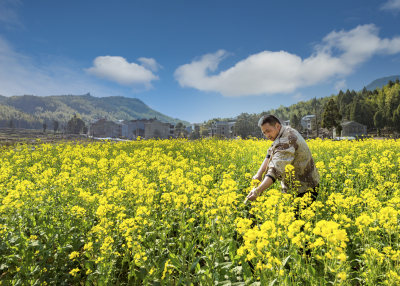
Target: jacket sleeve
x,y
283,154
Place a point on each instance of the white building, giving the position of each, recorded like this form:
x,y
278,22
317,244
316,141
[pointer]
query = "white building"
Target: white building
x,y
222,129
308,121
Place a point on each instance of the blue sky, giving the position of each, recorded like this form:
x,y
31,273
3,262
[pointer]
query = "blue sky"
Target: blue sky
x,y
197,60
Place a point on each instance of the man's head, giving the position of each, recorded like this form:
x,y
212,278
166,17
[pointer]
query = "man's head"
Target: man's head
x,y
270,126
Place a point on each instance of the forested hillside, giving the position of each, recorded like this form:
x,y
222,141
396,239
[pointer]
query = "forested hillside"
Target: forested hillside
x,y
378,109
30,111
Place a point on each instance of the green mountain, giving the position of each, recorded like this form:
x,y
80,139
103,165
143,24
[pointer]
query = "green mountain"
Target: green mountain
x,y
30,111
380,82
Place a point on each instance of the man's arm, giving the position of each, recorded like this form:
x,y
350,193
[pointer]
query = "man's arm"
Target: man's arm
x,y
262,169
257,191
276,169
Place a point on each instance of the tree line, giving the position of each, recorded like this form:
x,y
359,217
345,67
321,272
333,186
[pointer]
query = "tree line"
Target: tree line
x,y
74,126
378,109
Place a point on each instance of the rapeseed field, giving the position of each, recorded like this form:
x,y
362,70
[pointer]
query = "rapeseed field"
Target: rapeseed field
x,y
172,212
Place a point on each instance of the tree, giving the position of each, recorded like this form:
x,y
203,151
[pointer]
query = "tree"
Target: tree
x,y
246,125
315,106
204,132
179,129
392,101
339,129
55,126
344,100
362,112
75,125
379,120
396,119
295,121
242,125
331,117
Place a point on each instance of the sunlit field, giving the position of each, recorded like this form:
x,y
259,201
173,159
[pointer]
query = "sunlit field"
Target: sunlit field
x,y
172,212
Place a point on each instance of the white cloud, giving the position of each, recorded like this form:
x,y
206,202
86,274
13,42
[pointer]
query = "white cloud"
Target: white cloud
x,y
20,74
392,5
269,72
150,64
119,70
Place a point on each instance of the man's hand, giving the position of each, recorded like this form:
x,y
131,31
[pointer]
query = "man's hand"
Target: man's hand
x,y
252,196
257,177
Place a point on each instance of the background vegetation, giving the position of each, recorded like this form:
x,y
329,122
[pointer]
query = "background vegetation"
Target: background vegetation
x,y
32,112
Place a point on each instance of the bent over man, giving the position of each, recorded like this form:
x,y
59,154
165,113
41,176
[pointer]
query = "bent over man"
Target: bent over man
x,y
288,147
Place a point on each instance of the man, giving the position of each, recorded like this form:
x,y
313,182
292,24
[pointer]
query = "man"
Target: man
x,y
288,147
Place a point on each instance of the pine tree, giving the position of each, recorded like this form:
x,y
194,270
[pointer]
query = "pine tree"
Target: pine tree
x,y
295,122
331,117
379,120
396,119
362,112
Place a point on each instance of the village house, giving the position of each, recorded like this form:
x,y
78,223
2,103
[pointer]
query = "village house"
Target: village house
x,y
156,129
353,129
222,129
145,128
308,122
103,128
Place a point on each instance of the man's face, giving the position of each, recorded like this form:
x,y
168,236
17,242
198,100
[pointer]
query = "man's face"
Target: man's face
x,y
270,131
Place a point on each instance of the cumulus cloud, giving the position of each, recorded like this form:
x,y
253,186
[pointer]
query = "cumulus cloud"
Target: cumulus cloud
x,y
119,70
20,74
268,72
392,5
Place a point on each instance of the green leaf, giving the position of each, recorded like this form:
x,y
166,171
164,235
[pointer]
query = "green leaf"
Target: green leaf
x,y
285,261
225,282
224,265
273,282
193,266
36,270
191,247
311,270
175,261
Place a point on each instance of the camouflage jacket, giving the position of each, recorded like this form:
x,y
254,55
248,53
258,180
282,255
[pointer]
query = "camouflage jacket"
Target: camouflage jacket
x,y
289,147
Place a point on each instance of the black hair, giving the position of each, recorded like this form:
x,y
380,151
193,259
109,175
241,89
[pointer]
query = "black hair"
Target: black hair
x,y
270,119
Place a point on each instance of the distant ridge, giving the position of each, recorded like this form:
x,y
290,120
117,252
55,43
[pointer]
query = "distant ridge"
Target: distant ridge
x,y
29,111
378,83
